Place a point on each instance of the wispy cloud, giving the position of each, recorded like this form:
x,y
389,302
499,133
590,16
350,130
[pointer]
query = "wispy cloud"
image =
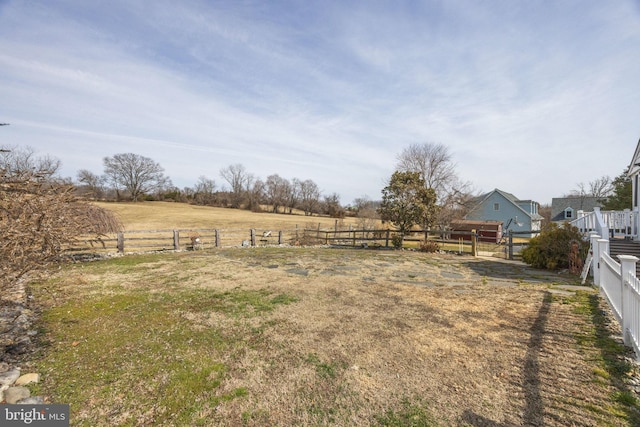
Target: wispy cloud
x,y
521,93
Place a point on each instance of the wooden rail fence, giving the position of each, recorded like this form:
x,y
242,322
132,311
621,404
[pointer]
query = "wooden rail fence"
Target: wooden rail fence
x,y
183,239
195,239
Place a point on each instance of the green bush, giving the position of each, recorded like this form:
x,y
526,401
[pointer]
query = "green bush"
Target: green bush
x,y
397,240
555,248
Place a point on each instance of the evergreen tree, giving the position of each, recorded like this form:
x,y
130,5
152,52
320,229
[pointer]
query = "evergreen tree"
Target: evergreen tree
x,y
622,194
406,201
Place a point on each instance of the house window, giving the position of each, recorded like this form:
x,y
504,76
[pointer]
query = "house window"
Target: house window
x,y
568,213
496,206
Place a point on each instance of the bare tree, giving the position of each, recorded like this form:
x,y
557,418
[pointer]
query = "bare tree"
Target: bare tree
x,y
293,198
545,212
600,188
134,173
457,204
239,180
92,184
436,168
255,196
15,161
277,190
366,212
433,162
204,192
365,203
309,195
332,206
164,189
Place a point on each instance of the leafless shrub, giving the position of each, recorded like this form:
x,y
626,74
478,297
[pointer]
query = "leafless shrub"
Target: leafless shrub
x,y
40,216
429,246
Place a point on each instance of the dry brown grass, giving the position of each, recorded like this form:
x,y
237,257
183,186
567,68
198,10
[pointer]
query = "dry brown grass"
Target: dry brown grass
x,y
324,337
168,215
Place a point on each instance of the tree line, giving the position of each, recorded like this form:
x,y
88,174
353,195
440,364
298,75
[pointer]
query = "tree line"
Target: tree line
x,y
129,176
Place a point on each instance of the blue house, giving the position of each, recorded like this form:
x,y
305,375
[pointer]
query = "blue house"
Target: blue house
x,y
516,215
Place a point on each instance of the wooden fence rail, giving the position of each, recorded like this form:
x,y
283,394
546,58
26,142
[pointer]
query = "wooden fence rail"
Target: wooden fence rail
x,y
189,239
194,239
466,243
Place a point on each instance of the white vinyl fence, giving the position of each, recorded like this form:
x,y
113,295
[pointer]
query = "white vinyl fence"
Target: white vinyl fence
x,y
631,311
617,281
621,288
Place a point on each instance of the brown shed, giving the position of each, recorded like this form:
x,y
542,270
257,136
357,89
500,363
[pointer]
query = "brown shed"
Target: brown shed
x,y
487,231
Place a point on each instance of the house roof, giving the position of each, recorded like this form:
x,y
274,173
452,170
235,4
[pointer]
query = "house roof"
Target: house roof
x,y
475,221
634,166
577,203
510,197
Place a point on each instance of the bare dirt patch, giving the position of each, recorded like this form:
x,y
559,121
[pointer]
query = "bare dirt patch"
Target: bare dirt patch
x,y
337,337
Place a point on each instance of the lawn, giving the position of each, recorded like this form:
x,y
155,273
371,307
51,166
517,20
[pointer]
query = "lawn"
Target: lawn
x,y
317,336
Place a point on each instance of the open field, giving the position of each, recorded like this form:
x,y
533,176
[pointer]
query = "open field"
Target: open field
x,y
312,336
235,225
169,215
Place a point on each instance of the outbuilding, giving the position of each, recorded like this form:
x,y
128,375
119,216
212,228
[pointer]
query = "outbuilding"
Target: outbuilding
x,y
487,231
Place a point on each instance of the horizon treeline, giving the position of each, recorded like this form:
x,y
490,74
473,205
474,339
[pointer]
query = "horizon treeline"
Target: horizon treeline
x,y
131,177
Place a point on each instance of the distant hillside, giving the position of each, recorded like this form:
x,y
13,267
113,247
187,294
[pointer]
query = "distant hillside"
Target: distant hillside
x,y
170,215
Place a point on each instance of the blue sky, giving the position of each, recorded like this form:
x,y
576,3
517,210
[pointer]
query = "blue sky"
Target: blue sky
x,y
531,97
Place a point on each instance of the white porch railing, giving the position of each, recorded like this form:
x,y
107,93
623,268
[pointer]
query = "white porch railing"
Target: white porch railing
x,y
617,223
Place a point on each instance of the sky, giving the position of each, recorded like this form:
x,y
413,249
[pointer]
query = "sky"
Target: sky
x,y
530,97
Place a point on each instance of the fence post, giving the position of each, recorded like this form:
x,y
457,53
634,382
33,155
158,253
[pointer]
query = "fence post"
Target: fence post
x,y
176,240
253,237
474,243
511,244
280,237
603,247
582,226
386,240
120,243
217,238
627,265
595,262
